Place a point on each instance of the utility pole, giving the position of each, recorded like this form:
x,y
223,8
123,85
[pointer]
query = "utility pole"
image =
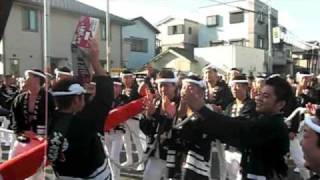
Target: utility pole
x,y
270,59
108,38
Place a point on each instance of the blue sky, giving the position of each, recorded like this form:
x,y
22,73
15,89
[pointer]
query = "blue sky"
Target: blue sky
x,y
301,17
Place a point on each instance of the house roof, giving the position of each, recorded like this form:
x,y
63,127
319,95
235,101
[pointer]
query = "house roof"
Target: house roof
x,y
169,18
179,52
143,20
79,8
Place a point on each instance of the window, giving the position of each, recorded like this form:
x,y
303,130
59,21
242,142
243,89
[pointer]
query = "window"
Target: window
x,y
103,34
261,17
14,66
177,29
236,17
212,21
238,42
139,44
260,42
217,43
30,20
190,30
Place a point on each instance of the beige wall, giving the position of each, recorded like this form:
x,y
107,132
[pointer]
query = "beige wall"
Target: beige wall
x,y
28,45
172,61
193,37
115,46
170,39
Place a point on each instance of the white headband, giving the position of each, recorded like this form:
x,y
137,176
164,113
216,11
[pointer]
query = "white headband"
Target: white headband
x,y
200,83
74,89
311,124
117,83
57,72
34,73
260,79
239,81
126,74
305,75
166,80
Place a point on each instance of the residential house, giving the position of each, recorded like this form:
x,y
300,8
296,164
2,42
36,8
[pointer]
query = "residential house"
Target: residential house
x,y
177,59
306,57
140,42
23,39
175,32
241,23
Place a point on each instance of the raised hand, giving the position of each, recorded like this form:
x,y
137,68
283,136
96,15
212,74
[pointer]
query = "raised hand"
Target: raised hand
x,y
311,108
168,107
149,104
94,57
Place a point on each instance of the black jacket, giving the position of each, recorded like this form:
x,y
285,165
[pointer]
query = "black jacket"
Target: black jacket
x,y
263,140
157,124
20,115
221,97
248,109
74,143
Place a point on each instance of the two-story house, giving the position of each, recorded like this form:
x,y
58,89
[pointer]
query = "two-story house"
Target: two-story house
x,y
140,43
23,38
242,23
175,32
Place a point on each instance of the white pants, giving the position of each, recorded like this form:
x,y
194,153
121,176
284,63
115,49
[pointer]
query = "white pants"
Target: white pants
x,y
132,128
217,161
297,156
155,169
233,159
113,141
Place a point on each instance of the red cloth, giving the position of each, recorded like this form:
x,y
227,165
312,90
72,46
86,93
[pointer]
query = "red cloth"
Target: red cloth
x,y
23,165
123,113
26,164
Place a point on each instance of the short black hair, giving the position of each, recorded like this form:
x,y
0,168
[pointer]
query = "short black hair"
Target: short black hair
x,y
64,69
235,69
282,88
166,73
64,102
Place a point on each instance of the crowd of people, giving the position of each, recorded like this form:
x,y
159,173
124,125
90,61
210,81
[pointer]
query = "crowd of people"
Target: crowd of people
x,y
193,126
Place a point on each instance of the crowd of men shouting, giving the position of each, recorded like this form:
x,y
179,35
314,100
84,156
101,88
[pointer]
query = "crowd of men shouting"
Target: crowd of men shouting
x,y
195,127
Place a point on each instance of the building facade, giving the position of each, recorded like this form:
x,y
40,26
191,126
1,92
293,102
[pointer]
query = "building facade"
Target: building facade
x,y
175,32
140,43
23,39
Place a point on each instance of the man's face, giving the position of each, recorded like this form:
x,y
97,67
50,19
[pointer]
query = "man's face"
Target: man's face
x,y
239,90
79,103
127,81
266,101
116,90
167,89
305,81
210,76
195,88
310,149
30,81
